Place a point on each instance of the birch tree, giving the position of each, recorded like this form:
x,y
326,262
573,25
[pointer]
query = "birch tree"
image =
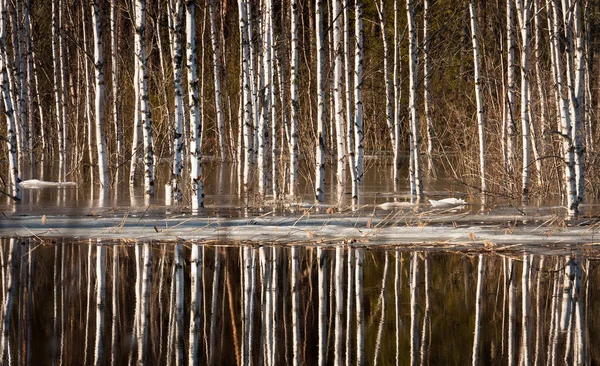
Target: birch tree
x,y
99,101
349,99
510,88
143,101
58,92
358,99
389,90
478,97
321,98
11,139
175,32
194,108
523,8
427,86
116,116
246,101
338,87
294,103
415,165
217,80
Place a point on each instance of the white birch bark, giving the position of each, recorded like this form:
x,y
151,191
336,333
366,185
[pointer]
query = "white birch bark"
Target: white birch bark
x,y
176,35
338,87
478,97
339,305
30,86
100,296
358,100
349,100
321,98
213,315
294,103
577,95
58,95
415,168
217,80
397,294
389,90
565,125
116,115
144,105
427,87
382,303
478,302
397,94
194,109
509,163
11,138
99,100
177,282
349,305
512,312
523,10
115,307
246,122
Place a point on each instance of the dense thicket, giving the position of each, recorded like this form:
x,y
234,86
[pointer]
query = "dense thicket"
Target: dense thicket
x,y
258,101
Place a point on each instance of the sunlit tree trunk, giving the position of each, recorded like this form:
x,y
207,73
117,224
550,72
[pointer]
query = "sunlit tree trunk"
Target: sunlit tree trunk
x,y
217,79
339,304
414,308
322,315
116,115
358,98
58,92
382,303
415,168
478,97
246,101
176,35
349,99
272,77
512,311
144,315
321,98
195,118
565,125
29,86
143,104
11,137
216,290
523,11
427,86
294,103
509,163
397,292
177,282
99,101
397,93
389,90
576,86
338,87
114,344
195,273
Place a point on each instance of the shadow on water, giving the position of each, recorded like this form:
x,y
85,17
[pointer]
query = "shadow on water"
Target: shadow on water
x,y
154,303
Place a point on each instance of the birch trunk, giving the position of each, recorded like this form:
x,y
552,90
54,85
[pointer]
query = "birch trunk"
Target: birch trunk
x,y
294,103
358,99
217,79
478,97
56,5
295,307
349,305
321,98
414,308
116,115
195,273
194,109
99,101
427,87
360,316
144,323
349,100
510,89
10,287
338,88
389,90
143,104
177,282
523,9
415,168
397,94
115,307
213,316
30,87
246,122
339,304
11,138
175,32
525,328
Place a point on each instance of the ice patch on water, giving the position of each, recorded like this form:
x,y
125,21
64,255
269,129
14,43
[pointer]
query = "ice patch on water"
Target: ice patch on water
x,y
37,184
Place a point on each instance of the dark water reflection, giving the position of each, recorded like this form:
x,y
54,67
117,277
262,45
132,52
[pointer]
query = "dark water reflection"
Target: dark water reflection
x,y
162,303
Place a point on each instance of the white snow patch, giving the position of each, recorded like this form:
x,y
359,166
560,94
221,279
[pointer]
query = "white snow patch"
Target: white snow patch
x,y
447,202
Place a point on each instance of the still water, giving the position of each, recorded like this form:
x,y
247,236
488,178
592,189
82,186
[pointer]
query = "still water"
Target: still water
x,y
94,302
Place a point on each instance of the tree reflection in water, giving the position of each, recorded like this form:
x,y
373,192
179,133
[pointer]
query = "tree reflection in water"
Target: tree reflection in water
x,y
259,304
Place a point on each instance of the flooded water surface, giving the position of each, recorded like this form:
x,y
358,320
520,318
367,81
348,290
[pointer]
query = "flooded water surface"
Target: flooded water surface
x,y
155,303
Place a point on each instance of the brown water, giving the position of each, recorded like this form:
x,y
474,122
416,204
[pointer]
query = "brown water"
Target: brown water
x,y
429,318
